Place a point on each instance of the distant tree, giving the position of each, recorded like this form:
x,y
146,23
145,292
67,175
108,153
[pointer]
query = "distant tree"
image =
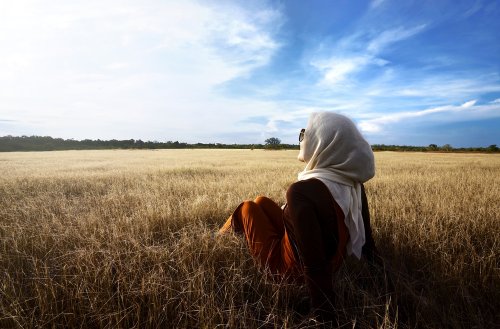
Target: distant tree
x,y
272,143
492,148
433,147
447,147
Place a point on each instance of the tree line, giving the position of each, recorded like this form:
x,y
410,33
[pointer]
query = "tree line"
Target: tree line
x,y
434,148
47,143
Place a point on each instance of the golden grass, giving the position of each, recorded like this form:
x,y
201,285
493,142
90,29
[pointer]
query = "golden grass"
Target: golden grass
x,y
122,239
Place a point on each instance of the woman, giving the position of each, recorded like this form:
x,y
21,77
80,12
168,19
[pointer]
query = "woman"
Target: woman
x,y
326,215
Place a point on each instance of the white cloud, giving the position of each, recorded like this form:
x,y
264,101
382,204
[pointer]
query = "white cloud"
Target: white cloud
x,y
83,69
117,66
337,70
469,103
370,127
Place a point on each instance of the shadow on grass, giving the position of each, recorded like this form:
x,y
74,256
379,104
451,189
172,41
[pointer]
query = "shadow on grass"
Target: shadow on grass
x,y
409,290
183,277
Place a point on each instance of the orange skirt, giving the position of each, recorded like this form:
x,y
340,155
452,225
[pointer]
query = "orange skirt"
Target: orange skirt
x,y
261,222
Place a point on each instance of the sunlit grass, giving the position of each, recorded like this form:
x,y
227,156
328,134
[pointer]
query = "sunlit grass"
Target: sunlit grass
x,y
124,239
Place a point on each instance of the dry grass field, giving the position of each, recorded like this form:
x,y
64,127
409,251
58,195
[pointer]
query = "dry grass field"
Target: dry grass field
x,y
124,239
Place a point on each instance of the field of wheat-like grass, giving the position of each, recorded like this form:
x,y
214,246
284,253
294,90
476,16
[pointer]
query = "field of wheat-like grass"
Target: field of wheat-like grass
x,y
124,239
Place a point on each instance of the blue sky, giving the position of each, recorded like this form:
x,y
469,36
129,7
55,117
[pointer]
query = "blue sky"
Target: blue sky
x,y
407,72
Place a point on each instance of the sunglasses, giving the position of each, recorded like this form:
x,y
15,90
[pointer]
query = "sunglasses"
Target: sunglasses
x,y
301,135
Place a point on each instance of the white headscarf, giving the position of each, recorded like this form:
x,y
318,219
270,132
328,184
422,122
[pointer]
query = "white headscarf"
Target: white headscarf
x,y
337,154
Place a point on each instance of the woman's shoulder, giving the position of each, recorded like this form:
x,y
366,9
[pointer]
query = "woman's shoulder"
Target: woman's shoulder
x,y
307,186
307,182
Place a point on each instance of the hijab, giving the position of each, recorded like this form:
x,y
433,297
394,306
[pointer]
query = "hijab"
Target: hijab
x,y
336,153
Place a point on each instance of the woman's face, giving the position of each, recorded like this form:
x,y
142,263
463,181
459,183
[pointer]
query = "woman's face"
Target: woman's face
x,y
301,153
302,145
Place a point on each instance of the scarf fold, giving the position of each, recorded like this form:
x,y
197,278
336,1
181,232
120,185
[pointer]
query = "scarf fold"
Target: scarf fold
x,y
336,153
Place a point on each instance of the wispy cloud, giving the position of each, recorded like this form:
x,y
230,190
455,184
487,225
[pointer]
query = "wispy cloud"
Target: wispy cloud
x,y
466,111
389,37
336,70
354,54
476,6
376,3
443,87
469,103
